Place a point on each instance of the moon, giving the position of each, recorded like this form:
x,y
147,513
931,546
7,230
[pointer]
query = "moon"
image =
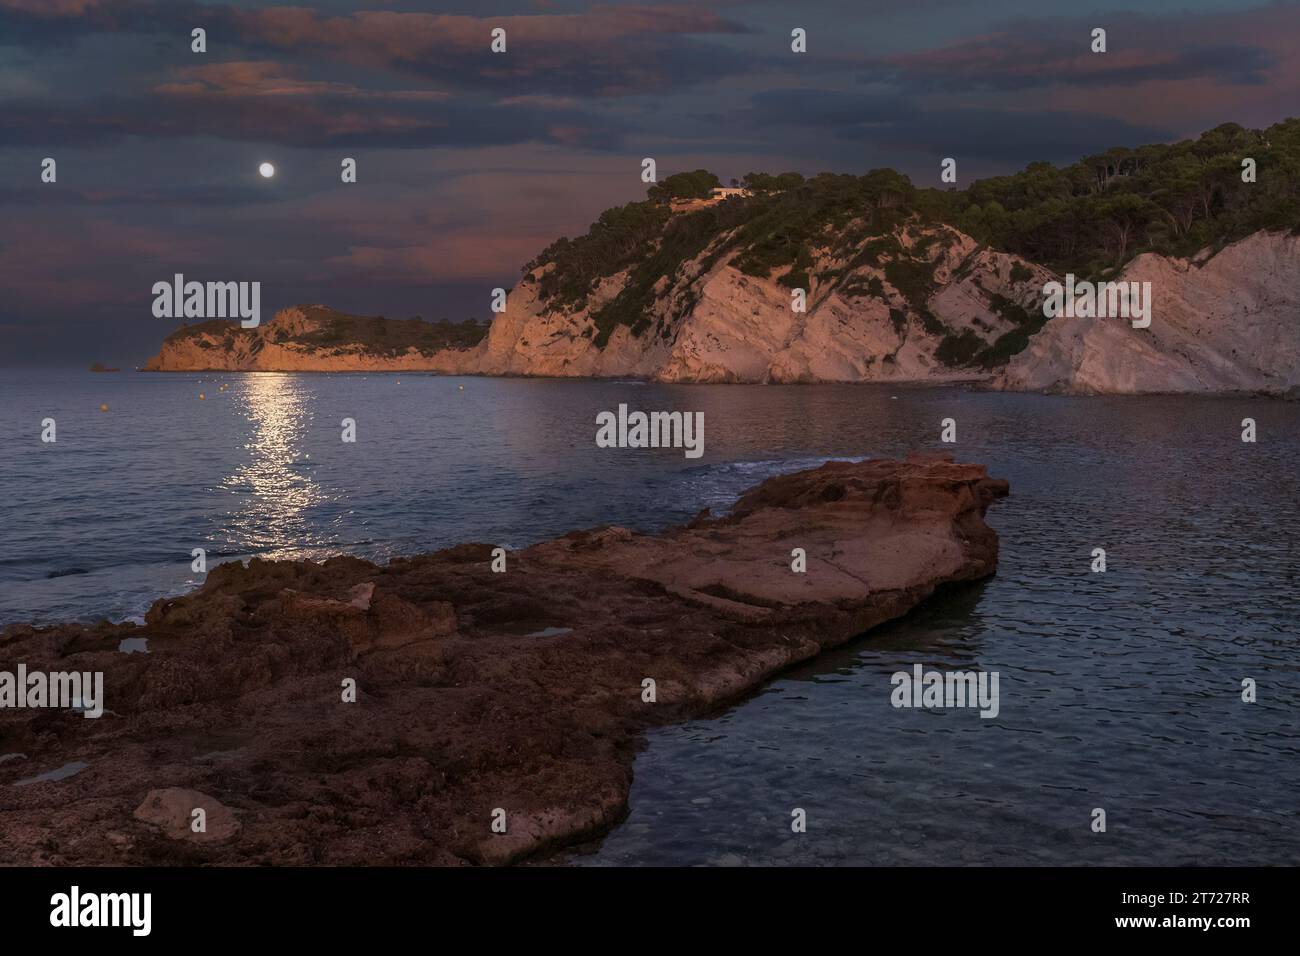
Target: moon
x,y
267,170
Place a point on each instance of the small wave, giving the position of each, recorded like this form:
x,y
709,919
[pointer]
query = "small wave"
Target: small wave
x,y
718,485
227,553
768,467
762,469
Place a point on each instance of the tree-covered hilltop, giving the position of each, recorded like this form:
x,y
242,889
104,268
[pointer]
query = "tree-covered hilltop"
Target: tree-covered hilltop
x,y
381,336
1100,212
1088,218
770,229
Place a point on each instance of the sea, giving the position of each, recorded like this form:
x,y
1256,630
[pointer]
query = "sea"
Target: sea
x,y
1164,691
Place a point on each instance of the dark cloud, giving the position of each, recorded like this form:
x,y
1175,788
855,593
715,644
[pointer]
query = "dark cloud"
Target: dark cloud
x,y
1009,63
1012,138
1240,47
60,22
1009,136
604,50
838,110
312,120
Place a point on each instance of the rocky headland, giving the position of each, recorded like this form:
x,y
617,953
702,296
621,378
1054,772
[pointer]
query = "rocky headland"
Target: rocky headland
x,y
840,278
477,691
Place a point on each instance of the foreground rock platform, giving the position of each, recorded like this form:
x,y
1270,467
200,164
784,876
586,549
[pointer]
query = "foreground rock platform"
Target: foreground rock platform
x,y
475,690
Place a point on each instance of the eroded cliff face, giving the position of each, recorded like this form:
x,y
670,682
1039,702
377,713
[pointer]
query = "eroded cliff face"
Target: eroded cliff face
x,y
917,304
474,690
1225,321
530,338
947,310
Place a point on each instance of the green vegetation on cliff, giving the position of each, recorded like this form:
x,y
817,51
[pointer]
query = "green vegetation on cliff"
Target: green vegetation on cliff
x,y
372,334
1096,214
684,238
381,336
692,185
1089,218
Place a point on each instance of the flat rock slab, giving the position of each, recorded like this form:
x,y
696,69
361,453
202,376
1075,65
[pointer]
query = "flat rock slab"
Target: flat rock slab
x,y
173,811
433,711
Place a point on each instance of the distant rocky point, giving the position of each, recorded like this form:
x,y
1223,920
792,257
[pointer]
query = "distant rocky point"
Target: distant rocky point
x,y
315,338
101,367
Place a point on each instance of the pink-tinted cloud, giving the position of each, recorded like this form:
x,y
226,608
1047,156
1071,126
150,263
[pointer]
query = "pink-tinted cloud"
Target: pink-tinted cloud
x,y
267,78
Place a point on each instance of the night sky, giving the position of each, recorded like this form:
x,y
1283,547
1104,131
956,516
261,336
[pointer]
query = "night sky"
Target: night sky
x,y
470,162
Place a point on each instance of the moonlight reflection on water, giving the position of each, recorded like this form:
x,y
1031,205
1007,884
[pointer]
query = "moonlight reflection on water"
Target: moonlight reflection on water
x,y
273,484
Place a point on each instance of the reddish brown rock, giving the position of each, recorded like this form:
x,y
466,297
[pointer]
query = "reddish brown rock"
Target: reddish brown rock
x,y
474,690
173,811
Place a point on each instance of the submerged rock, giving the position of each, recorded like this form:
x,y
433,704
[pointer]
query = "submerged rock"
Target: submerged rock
x,y
409,714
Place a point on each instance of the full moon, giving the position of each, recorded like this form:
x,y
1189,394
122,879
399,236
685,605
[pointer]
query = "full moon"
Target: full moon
x,y
267,170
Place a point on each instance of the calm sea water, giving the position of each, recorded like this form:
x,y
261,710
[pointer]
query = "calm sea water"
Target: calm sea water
x,y
1118,690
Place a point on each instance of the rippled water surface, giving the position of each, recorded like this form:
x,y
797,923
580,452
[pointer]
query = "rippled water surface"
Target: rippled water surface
x,y
1118,690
